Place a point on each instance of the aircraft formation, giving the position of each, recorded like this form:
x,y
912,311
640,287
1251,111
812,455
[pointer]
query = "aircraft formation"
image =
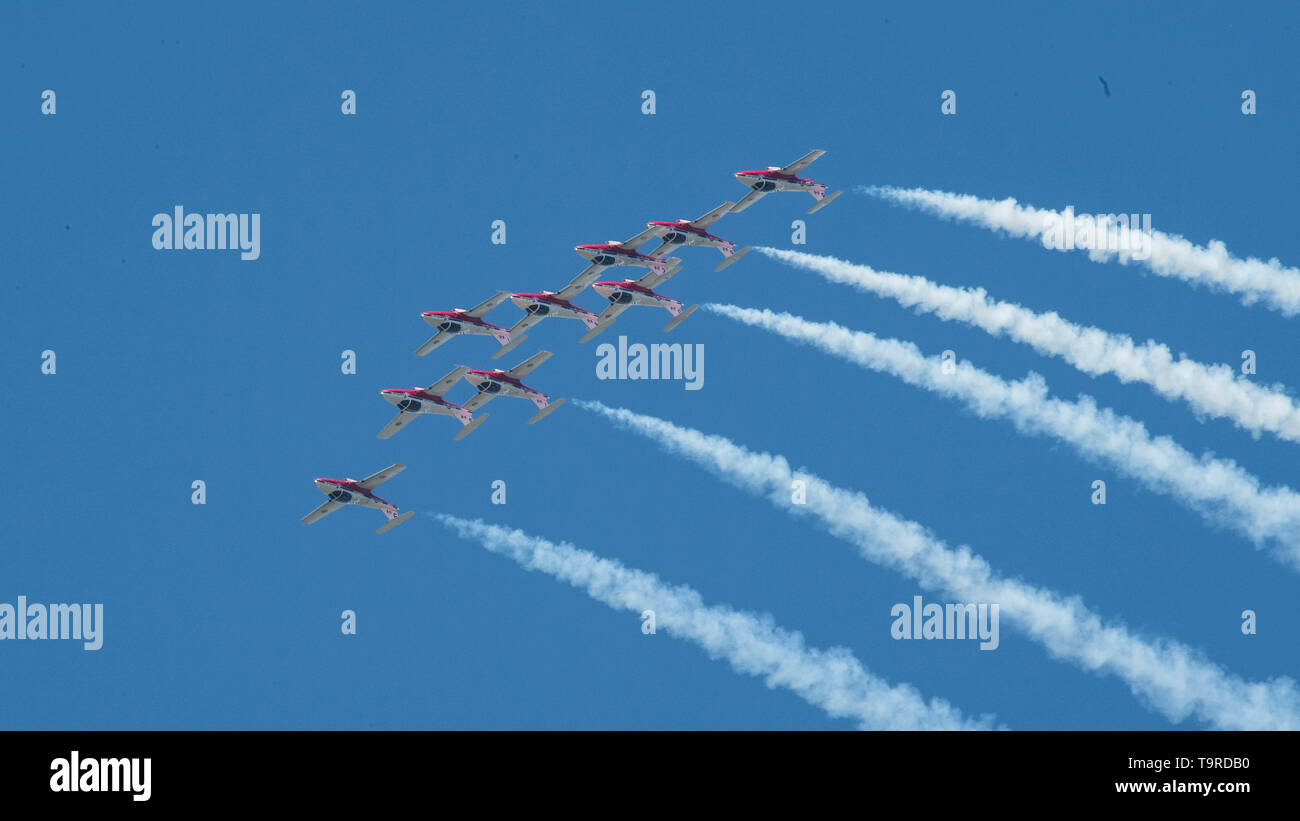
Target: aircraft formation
x,y
411,403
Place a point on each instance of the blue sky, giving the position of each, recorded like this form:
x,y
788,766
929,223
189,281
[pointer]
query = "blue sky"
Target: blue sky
x,y
176,366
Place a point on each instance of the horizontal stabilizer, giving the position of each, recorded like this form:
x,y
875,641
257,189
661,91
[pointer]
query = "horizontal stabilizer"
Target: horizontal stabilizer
x,y
545,412
392,523
733,258
680,318
468,429
595,332
507,348
822,203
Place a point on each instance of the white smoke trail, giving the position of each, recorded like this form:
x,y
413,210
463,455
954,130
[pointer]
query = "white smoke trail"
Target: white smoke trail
x,y
830,679
1174,679
1168,255
1212,390
1217,488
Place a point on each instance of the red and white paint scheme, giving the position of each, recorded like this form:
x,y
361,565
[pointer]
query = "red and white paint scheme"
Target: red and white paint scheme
x,y
629,292
605,254
358,492
775,178
462,321
415,401
693,232
550,303
496,382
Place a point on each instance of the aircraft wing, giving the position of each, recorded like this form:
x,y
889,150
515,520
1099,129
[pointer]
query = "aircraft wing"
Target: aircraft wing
x,y
640,239
438,338
663,248
528,365
327,507
481,310
374,480
593,270
652,280
397,422
447,382
525,322
713,216
606,319
803,162
478,400
748,200
579,283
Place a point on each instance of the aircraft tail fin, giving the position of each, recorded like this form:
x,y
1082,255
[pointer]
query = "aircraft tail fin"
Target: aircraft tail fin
x,y
471,427
392,523
732,258
545,412
823,201
507,348
680,318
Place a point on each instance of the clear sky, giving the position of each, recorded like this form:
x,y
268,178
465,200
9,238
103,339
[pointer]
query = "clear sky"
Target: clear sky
x,y
174,366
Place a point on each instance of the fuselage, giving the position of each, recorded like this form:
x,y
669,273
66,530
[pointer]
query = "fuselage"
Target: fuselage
x,y
630,293
459,322
613,253
418,400
548,304
772,179
498,382
347,492
684,232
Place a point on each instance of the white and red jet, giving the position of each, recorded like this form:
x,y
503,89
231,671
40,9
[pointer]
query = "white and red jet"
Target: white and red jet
x,y
605,254
357,492
411,403
461,321
693,232
549,303
625,294
775,178
497,382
